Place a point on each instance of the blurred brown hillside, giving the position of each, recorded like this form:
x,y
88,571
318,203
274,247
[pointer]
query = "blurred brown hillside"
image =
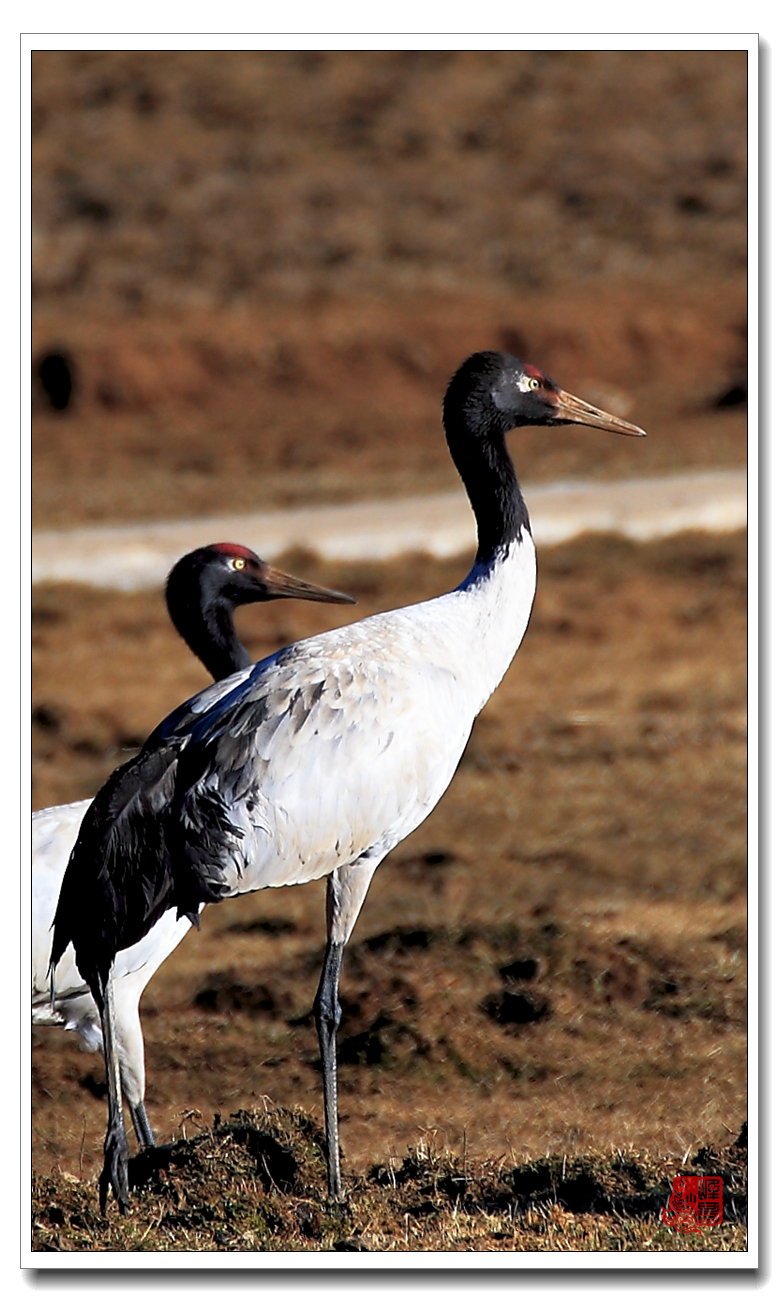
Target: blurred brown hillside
x,y
257,270
210,178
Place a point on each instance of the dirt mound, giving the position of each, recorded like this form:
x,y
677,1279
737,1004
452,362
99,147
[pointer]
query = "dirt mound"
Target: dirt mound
x,y
256,1183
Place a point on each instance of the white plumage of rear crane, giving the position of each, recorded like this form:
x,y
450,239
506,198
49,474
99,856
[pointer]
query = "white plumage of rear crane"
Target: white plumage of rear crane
x,y
54,832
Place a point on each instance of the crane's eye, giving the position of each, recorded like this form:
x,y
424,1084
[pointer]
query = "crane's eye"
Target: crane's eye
x,y
238,563
533,383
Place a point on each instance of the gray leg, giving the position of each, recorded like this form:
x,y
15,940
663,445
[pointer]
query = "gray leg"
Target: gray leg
x,y
327,1012
143,1130
346,890
115,1148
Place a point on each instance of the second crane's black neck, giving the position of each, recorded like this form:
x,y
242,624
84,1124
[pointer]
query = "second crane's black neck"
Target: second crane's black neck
x,y
205,620
477,442
218,644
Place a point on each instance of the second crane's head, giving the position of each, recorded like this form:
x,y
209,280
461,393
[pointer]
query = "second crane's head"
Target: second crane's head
x,y
206,585
493,393
236,576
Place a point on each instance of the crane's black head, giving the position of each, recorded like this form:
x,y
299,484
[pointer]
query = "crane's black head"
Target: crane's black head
x,y
493,393
489,395
230,574
206,585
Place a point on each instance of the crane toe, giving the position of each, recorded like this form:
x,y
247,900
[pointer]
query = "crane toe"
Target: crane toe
x,y
114,1173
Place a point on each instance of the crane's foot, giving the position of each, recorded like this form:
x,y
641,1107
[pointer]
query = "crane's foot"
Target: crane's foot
x,y
114,1173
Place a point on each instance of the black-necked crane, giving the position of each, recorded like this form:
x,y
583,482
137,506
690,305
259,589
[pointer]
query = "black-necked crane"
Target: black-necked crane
x,y
202,592
320,759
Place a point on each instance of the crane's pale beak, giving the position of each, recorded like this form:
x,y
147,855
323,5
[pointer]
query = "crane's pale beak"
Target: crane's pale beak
x,y
570,410
279,584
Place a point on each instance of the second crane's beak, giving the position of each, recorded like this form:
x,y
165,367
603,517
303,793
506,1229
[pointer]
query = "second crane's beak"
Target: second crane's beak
x,y
279,584
573,411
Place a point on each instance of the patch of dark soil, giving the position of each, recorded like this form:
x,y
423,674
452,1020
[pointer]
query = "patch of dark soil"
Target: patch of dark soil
x,y
384,1043
224,992
94,1086
733,395
707,558
521,969
266,926
543,944
46,717
607,974
276,1162
428,870
514,1008
401,940
734,937
54,380
624,970
679,998
626,1187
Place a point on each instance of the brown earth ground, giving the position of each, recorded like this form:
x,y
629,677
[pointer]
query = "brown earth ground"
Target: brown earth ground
x,y
235,411
260,271
554,962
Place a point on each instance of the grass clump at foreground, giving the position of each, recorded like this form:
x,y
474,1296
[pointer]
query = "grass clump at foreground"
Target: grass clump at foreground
x,y
256,1182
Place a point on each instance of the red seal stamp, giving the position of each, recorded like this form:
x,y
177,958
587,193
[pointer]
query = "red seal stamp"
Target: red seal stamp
x,y
695,1202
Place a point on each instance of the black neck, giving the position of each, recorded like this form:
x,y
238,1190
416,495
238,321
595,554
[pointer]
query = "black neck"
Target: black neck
x,y
207,625
486,469
216,642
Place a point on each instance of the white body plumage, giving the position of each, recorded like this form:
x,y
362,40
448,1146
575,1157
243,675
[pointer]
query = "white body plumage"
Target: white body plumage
x,y
338,747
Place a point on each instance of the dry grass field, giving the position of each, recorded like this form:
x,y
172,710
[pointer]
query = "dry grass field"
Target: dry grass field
x,y
555,962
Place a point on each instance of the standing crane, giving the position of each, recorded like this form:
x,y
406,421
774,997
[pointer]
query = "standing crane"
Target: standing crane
x,y
203,589
317,761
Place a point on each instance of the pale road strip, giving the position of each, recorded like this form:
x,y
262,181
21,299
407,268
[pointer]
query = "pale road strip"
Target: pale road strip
x,y
139,556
